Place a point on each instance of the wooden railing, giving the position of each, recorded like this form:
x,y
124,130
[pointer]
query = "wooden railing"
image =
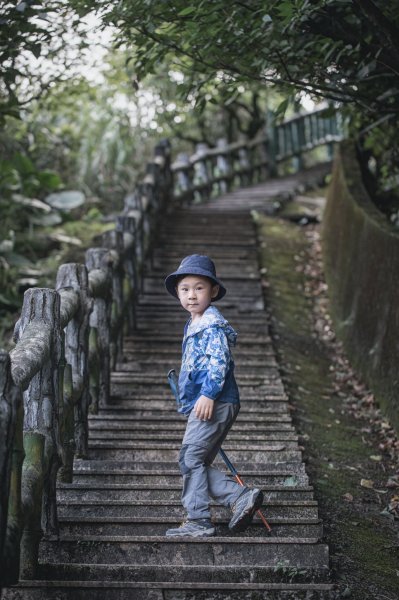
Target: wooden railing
x,y
68,339
302,133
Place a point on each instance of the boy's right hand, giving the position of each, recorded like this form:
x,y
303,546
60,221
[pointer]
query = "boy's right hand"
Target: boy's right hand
x,y
204,408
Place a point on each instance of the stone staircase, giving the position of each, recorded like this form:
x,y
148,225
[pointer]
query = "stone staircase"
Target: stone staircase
x,y
127,493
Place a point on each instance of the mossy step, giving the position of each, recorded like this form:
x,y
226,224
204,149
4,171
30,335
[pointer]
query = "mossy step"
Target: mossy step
x,y
174,315
245,416
162,454
138,526
131,466
158,550
130,440
198,574
167,337
174,477
108,433
242,425
174,353
249,395
219,253
298,509
251,412
83,492
275,404
145,430
268,376
251,368
74,590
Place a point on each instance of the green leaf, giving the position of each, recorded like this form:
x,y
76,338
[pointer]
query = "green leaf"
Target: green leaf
x,y
67,200
187,11
49,180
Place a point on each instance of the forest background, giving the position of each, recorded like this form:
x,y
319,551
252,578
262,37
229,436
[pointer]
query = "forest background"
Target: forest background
x,y
86,88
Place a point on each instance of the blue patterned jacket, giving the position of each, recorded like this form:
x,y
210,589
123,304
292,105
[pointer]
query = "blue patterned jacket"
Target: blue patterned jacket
x,y
207,364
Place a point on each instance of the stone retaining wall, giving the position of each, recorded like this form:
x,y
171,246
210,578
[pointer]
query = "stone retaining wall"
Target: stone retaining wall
x,y
361,258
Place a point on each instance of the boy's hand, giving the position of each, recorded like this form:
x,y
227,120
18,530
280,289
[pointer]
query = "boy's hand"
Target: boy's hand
x,y
204,408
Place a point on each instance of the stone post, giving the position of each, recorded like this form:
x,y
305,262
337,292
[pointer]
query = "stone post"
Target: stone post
x,y
11,458
76,392
126,225
101,282
113,240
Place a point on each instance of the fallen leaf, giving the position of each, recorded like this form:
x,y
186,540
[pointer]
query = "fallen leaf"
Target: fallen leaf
x,y
367,483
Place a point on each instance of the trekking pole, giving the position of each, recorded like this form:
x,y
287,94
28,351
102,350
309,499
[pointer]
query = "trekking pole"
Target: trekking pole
x,y
173,382
234,471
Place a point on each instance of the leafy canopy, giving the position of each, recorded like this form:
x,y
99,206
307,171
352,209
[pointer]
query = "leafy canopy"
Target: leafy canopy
x,y
345,50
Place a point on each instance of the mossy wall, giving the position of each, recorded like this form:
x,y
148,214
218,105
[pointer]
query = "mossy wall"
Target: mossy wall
x,y
361,258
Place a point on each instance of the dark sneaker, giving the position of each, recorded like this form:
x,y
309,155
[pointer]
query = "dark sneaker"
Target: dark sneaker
x,y
244,509
193,528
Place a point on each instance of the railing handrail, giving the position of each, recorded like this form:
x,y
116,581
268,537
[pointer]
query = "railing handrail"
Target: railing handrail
x,y
69,338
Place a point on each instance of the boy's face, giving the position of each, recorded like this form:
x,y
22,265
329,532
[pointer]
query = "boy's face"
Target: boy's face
x,y
195,294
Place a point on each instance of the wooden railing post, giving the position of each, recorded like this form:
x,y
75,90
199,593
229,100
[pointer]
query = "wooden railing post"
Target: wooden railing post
x,y
184,180
201,171
76,400
272,143
223,167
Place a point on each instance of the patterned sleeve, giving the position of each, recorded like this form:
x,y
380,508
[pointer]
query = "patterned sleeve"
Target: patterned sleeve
x,y
218,351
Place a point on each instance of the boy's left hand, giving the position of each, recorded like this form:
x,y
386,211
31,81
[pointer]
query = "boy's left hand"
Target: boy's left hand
x,y
204,408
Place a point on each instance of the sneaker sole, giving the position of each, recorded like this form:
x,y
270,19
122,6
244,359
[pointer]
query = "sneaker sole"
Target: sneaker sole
x,y
246,518
206,533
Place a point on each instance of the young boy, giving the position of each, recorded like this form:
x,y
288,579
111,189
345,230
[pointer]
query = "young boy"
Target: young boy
x,y
210,398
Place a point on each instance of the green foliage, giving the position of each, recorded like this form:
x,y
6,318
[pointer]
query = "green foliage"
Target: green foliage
x,y
35,49
344,50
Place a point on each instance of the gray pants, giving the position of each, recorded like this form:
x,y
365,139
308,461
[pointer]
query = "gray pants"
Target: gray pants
x,y
200,446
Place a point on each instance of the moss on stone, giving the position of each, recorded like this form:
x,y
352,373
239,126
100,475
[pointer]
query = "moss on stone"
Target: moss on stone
x,y
361,255
362,542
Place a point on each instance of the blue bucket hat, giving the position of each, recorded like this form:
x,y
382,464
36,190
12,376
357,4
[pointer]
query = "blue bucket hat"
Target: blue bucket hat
x,y
195,264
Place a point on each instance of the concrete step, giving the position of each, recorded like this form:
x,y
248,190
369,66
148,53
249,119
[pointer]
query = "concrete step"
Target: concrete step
x,y
159,454
174,353
171,337
121,393
252,368
220,254
268,376
302,509
196,574
122,433
161,389
158,401
121,590
131,466
88,492
248,413
245,416
127,440
119,423
172,476
156,550
175,316
153,525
